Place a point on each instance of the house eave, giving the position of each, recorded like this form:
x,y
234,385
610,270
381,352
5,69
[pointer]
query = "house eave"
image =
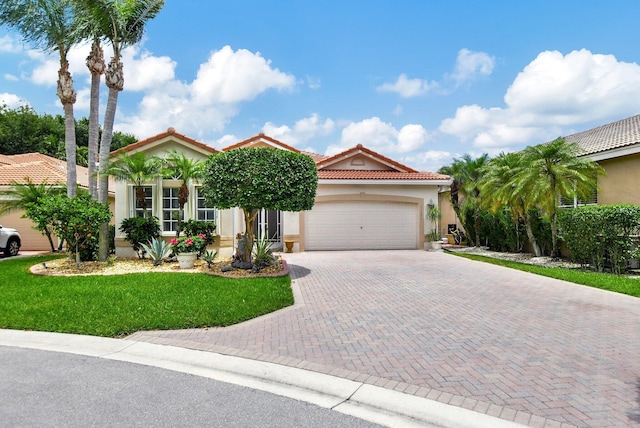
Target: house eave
x,y
614,153
386,182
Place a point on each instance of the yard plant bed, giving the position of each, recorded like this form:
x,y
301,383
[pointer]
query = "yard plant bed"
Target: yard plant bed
x,y
117,305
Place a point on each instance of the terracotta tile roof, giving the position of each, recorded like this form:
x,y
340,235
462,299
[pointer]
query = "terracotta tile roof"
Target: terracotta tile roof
x,y
315,156
361,149
354,174
261,137
40,169
622,133
169,132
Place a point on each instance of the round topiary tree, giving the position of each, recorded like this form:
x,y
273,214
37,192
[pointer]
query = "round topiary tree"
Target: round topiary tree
x,y
260,178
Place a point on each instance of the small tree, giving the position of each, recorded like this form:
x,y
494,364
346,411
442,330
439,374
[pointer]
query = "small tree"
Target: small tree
x,y
140,230
260,178
73,219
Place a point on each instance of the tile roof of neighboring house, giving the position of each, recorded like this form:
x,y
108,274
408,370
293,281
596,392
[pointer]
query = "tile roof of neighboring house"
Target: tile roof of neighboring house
x,y
39,169
625,132
258,138
361,149
355,174
167,133
315,156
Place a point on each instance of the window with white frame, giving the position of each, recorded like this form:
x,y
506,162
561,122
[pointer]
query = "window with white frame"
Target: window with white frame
x,y
170,209
579,202
143,207
204,213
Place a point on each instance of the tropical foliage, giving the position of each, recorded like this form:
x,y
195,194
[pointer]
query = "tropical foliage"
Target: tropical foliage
x,y
140,230
525,188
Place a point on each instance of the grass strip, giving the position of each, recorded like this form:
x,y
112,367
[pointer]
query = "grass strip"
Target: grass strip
x,y
116,305
604,281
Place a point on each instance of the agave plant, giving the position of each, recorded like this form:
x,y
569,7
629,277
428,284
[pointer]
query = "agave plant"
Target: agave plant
x,y
157,250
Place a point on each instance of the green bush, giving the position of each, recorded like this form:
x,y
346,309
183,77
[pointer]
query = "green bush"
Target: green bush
x,y
197,227
596,235
139,230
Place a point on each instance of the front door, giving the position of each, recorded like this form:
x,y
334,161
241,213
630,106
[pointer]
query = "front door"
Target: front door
x,y
268,225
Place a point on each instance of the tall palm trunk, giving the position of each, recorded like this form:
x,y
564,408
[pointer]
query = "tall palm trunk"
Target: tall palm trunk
x,y
532,237
95,64
115,82
67,96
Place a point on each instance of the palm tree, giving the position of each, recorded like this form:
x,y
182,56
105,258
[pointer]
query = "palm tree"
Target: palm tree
x,y
96,66
19,196
122,23
181,167
497,181
554,170
49,25
466,174
139,169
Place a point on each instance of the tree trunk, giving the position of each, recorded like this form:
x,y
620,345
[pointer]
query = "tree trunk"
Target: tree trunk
x,y
249,221
103,182
67,96
183,198
532,238
95,64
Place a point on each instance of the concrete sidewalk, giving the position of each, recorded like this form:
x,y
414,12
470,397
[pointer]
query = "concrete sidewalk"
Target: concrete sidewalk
x,y
368,402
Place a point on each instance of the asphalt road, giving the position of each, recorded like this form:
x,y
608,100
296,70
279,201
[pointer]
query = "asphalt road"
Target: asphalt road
x,y
43,388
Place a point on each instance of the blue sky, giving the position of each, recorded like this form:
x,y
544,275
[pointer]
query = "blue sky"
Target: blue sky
x,y
419,81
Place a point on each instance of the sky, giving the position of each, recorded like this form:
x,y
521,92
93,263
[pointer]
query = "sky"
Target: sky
x,y
420,81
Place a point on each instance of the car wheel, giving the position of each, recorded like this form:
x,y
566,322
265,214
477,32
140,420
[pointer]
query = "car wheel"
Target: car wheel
x,y
13,246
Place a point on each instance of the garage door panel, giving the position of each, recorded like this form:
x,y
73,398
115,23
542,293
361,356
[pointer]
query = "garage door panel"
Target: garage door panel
x,y
352,225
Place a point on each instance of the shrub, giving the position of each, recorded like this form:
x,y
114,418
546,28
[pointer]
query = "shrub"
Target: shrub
x,y
157,250
189,244
262,255
597,234
138,230
199,227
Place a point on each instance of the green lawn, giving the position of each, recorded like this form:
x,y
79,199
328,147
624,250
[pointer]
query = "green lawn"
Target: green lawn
x,y
117,305
605,281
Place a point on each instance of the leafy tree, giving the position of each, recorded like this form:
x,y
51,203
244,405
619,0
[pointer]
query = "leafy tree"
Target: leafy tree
x,y
181,167
74,219
49,25
551,171
21,196
122,23
260,178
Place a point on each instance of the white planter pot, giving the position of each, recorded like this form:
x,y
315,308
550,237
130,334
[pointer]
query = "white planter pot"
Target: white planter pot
x,y
436,245
187,260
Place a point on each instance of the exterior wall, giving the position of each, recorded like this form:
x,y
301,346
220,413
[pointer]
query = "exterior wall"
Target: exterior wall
x,y
620,185
448,214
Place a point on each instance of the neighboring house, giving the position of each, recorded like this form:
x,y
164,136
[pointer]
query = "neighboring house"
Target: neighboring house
x,y
364,200
39,169
616,147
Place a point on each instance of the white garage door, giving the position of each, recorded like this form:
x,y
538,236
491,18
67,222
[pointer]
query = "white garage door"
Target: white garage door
x,y
361,225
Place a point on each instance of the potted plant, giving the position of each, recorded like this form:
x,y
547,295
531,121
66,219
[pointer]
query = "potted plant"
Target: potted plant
x,y
187,248
434,215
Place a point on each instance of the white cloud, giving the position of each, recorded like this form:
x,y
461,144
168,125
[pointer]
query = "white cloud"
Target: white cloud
x,y
11,100
232,77
383,137
471,65
303,130
407,88
9,44
551,94
314,82
11,77
430,160
143,70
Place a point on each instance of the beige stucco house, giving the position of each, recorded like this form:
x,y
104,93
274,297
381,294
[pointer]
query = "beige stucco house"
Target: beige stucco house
x,y
39,169
615,147
364,200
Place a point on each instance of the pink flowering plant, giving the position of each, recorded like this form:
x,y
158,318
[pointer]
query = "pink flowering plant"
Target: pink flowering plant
x,y
189,244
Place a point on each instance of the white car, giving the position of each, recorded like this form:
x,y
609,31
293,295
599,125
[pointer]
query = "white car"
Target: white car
x,y
9,241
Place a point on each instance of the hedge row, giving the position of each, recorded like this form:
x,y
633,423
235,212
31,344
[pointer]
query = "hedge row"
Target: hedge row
x,y
597,234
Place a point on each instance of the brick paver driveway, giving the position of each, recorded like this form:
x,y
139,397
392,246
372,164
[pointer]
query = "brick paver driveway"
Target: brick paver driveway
x,y
526,348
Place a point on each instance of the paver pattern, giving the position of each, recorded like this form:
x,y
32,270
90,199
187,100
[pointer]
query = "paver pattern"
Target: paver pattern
x,y
530,349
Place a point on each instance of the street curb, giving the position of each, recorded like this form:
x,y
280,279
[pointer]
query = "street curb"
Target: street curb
x,y
369,402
